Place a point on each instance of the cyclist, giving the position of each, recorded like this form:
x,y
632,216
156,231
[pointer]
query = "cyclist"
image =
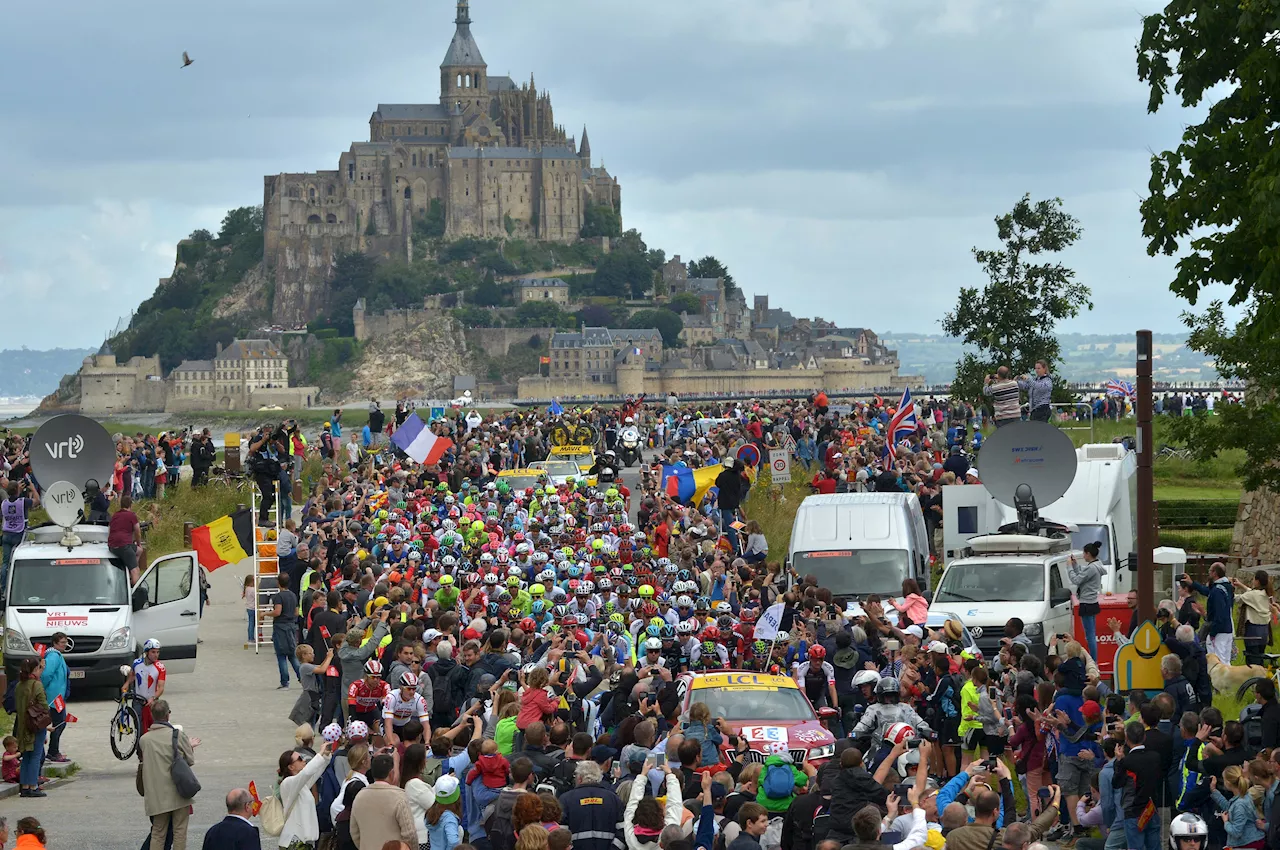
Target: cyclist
x,y
365,696
402,705
147,680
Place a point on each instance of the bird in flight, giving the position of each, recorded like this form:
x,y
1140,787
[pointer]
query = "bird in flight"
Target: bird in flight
x,y
186,60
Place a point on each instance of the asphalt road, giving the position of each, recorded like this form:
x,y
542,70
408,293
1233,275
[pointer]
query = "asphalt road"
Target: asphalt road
x,y
229,702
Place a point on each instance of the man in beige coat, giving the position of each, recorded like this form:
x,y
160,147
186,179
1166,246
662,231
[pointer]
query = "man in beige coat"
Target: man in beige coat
x,y
163,804
381,811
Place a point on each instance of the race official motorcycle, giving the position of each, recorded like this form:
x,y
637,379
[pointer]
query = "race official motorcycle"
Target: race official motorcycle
x,y
629,446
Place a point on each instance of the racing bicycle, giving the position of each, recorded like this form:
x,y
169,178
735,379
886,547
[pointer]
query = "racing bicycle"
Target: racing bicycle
x,y
126,724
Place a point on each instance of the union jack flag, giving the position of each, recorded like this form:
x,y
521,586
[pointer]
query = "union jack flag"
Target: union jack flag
x,y
1123,388
903,425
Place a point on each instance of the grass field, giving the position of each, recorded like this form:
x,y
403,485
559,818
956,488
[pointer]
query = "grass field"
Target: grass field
x,y
1175,478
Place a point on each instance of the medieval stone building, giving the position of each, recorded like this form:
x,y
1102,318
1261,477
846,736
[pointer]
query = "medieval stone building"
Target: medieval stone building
x,y
490,153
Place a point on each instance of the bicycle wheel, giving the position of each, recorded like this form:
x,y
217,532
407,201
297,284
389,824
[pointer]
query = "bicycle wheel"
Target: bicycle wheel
x,y
126,726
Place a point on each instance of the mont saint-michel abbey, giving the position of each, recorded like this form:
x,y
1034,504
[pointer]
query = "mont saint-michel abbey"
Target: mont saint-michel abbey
x,y
490,151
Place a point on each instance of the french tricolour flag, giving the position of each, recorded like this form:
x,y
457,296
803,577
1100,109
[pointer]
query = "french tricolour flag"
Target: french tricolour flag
x,y
416,440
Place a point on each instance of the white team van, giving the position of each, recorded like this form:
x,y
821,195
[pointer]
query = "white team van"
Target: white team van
x,y
861,543
84,591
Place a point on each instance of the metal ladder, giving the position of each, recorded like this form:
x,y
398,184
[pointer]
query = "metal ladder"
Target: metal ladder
x,y
266,568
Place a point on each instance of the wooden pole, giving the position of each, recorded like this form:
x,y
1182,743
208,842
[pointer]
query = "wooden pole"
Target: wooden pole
x,y
1146,484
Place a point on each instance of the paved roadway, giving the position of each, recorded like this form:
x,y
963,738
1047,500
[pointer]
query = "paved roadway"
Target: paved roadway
x,y
230,703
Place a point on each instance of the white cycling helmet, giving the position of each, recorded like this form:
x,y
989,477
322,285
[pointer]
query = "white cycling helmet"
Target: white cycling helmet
x,y
899,733
151,644
866,677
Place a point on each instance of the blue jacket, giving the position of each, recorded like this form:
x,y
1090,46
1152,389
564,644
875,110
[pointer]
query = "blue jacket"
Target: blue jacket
x,y
1111,804
55,678
446,833
948,793
1241,816
1219,598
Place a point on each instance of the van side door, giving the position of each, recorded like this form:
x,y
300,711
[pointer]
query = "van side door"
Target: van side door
x,y
1058,620
171,612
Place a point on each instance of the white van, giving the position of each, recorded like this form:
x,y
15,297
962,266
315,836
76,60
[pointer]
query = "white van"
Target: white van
x,y
861,543
1101,504
84,591
1007,576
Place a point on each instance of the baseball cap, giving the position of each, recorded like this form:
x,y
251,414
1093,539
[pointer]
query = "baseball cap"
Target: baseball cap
x,y
602,753
937,646
1090,708
432,634
914,631
447,789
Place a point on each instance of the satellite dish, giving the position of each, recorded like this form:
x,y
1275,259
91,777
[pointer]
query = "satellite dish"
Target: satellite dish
x,y
1035,454
62,501
71,448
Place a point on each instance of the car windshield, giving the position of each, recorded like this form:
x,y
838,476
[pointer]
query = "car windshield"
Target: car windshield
x,y
846,572
986,582
561,467
1093,534
520,482
754,703
68,581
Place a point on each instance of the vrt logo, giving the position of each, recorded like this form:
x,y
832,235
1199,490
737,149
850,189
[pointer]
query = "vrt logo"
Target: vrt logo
x,y
68,448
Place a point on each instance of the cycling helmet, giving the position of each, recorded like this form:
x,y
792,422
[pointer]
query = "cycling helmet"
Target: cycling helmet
x,y
724,608
1187,831
887,689
646,591
528,626
899,733
684,602
668,632
373,667
605,584
711,633
653,644
760,647
748,615
725,622
504,597
151,644
817,653
687,627
537,590
653,631
408,680
783,636
446,581
559,611
703,604
492,609
582,619
490,578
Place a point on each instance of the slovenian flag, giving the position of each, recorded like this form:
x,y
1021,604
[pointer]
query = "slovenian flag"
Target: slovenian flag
x,y
415,439
226,540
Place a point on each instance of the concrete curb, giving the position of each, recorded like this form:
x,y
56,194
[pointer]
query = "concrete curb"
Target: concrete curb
x,y
12,790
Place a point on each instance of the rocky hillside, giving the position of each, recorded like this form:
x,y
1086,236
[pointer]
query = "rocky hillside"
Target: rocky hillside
x,y
420,362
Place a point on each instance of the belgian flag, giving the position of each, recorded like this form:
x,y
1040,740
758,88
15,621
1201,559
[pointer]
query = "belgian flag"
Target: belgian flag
x,y
226,540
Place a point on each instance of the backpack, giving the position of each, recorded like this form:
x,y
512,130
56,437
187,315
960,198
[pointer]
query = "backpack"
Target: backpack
x,y
330,787
1251,720
442,695
772,838
11,698
432,770
497,825
560,779
779,782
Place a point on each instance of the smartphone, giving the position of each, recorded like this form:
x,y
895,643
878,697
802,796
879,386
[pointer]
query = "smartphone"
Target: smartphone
x,y
891,645
991,763
1044,793
901,791
659,760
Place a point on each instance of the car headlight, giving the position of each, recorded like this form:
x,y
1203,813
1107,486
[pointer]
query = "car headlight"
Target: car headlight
x,y
824,752
121,638
1033,629
15,641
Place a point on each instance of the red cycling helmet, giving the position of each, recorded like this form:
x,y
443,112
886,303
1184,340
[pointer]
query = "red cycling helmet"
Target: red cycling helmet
x,y
817,653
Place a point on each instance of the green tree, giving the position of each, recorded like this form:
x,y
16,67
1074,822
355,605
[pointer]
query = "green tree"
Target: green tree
x,y
1011,319
685,302
1212,202
542,314
488,293
353,277
711,267
430,224
667,323
622,274
600,220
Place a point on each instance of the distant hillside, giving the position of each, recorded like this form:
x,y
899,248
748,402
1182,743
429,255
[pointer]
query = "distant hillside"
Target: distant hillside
x,y
36,373
1086,357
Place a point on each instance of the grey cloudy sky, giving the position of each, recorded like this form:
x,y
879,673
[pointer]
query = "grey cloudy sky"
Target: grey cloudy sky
x,y
841,156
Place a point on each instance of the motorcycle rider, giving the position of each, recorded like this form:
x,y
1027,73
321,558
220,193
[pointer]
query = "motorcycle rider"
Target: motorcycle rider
x,y
887,711
605,468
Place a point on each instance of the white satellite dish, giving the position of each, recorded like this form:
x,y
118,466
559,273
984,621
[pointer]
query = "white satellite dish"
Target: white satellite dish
x,y
1028,465
62,501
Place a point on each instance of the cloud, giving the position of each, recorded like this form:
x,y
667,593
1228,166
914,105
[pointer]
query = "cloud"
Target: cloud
x,y
841,156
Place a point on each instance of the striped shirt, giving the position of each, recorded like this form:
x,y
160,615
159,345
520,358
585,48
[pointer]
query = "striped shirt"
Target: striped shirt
x,y
1005,397
1039,390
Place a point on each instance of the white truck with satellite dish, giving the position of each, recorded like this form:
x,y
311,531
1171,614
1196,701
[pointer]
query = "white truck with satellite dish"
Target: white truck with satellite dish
x,y
1101,503
63,578
1021,570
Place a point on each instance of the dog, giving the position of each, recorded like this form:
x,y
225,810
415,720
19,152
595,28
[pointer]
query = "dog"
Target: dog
x,y
1227,678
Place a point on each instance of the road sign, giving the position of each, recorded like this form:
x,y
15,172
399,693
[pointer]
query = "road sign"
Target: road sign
x,y
780,463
